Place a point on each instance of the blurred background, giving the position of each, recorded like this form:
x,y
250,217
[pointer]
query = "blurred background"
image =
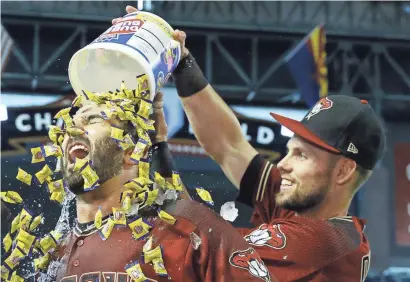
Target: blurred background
x,y
241,47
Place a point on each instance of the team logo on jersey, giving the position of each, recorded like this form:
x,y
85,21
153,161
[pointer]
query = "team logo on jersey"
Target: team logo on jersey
x,y
365,267
323,104
250,260
268,235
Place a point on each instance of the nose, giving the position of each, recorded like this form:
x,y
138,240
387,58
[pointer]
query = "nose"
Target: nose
x,y
284,164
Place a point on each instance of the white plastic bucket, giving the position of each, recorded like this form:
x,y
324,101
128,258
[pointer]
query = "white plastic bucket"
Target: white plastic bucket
x,y
139,43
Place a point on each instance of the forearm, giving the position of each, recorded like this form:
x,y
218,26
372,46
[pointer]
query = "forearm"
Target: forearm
x,y
163,163
215,125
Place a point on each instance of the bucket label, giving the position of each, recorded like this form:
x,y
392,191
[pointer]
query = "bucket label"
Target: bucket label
x,y
128,27
151,38
169,60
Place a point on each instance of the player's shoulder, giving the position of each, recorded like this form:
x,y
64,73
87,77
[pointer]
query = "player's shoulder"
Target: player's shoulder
x,y
201,216
338,235
328,238
207,224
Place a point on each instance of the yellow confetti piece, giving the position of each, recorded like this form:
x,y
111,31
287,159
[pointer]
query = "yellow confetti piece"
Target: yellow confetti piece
x,y
148,198
117,133
15,257
139,150
88,95
7,242
145,124
36,222
140,228
176,181
43,174
80,164
143,168
24,177
98,218
25,240
5,272
53,150
148,245
138,183
144,109
75,131
16,278
106,230
60,139
126,203
42,262
143,84
129,193
163,215
25,219
129,140
159,267
47,243
90,178
78,101
150,255
11,197
62,112
204,195
55,132
55,186
142,134
37,155
119,216
134,271
15,224
159,179
58,196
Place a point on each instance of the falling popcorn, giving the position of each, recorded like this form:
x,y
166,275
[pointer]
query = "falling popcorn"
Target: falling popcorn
x,y
171,195
229,212
195,240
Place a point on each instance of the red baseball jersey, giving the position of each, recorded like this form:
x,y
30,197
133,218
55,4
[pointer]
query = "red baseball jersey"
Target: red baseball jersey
x,y
222,255
297,248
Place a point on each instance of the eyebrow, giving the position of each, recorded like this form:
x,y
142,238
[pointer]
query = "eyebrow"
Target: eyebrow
x,y
84,110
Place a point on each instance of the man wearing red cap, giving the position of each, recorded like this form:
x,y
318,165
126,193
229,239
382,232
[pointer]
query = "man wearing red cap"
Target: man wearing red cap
x,y
303,231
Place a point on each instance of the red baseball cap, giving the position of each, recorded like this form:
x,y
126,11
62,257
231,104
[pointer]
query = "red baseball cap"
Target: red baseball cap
x,y
342,124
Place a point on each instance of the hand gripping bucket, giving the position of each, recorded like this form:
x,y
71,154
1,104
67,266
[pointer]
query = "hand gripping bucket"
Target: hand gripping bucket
x,y
140,43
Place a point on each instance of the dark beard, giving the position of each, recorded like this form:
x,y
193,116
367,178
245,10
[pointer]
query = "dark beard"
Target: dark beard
x,y
299,205
107,158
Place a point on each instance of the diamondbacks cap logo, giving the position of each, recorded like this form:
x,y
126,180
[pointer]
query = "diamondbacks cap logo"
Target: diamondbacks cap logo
x,y
269,235
352,149
249,259
323,104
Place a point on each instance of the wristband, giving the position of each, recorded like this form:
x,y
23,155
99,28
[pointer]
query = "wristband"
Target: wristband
x,y
162,161
188,77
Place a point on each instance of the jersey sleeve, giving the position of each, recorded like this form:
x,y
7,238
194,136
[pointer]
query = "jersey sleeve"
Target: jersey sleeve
x,y
217,252
218,260
258,187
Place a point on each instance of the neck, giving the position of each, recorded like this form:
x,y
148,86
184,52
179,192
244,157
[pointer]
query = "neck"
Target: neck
x,y
329,208
106,196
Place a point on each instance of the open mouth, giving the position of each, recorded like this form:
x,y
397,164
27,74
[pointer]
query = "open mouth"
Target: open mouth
x,y
78,150
285,184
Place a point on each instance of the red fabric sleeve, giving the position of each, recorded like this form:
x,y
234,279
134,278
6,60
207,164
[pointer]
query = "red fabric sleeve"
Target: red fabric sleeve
x,y
223,255
259,185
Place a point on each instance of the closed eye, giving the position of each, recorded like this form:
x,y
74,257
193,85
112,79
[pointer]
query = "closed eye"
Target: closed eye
x,y
95,119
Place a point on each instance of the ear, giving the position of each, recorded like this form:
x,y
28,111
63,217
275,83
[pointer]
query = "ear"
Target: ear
x,y
128,163
345,171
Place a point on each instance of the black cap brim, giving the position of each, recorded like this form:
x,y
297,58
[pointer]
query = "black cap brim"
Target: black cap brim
x,y
299,129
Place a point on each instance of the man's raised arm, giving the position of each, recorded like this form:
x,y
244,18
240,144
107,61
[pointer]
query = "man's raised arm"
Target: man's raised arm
x,y
213,122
